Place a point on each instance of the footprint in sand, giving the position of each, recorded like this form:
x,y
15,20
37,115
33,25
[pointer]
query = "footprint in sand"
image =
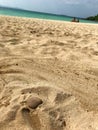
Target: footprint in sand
x,y
32,121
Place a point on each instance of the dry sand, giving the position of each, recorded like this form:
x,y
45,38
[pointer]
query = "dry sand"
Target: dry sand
x,y
48,75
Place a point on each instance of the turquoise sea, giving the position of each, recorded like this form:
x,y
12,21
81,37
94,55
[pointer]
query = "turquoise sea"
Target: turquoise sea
x,y
31,14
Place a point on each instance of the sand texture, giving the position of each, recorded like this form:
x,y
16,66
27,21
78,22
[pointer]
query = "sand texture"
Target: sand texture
x,y
48,75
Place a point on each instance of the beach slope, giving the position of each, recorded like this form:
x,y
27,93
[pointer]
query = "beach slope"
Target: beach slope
x,y
48,75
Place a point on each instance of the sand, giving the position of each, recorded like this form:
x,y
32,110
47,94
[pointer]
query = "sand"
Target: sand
x,y
48,75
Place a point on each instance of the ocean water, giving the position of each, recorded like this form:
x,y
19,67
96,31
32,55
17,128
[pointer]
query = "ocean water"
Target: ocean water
x,y
31,14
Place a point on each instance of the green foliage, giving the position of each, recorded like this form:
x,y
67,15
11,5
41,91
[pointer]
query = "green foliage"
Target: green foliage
x,y
93,18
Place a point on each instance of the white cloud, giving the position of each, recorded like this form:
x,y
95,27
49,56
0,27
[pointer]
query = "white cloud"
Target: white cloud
x,y
89,2
71,1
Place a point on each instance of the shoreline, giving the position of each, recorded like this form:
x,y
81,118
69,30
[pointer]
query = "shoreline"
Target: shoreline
x,y
62,21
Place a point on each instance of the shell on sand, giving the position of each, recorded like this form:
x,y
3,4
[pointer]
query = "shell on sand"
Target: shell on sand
x,y
34,102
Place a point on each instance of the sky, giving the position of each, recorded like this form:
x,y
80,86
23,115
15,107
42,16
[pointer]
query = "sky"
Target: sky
x,y
77,8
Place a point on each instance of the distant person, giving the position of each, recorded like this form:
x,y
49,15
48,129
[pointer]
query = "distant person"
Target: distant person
x,y
78,20
74,20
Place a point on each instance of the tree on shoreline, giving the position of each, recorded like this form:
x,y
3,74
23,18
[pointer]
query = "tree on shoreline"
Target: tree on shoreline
x,y
93,18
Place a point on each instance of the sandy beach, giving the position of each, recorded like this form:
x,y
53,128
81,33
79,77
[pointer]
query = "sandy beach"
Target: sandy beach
x,y
48,75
